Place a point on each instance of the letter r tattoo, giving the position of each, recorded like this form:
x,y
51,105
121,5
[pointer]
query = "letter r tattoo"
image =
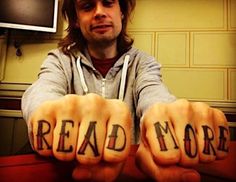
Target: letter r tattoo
x,y
41,135
207,140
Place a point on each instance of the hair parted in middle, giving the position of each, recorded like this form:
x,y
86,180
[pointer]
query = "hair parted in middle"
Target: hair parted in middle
x,y
74,38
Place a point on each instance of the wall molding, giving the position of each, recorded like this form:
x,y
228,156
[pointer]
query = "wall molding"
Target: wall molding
x,y
13,89
228,107
10,113
16,90
231,15
3,52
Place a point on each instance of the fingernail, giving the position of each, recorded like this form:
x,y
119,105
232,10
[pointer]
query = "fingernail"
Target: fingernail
x,y
190,176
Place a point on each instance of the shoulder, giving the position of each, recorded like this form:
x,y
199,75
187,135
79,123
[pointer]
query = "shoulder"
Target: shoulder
x,y
56,59
141,55
58,56
142,58
58,53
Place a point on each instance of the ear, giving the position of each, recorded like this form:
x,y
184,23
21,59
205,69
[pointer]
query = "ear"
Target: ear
x,y
122,15
77,24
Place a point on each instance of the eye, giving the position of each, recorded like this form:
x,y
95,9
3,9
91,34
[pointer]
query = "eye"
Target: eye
x,y
108,3
86,6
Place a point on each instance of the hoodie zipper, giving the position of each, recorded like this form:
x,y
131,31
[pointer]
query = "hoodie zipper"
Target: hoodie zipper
x,y
104,87
122,82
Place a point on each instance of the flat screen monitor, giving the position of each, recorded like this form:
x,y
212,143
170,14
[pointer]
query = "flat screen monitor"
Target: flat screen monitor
x,y
36,15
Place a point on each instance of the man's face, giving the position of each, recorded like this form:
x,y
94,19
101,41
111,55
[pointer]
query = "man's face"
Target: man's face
x,y
100,21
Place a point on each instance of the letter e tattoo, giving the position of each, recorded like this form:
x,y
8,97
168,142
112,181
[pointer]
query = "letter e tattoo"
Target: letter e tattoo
x,y
63,134
222,139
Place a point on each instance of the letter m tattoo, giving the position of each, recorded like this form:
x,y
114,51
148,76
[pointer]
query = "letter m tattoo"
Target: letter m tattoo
x,y
159,128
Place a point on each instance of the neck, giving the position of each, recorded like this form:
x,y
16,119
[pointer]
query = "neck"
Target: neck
x,y
103,51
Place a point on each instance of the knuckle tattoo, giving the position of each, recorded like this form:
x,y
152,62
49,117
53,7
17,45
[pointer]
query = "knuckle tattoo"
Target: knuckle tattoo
x,y
163,131
89,140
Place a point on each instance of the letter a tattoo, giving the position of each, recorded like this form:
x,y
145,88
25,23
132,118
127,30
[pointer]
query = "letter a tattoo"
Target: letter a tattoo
x,y
40,135
86,142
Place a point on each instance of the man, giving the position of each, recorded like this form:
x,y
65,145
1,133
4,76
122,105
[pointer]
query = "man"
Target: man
x,y
75,110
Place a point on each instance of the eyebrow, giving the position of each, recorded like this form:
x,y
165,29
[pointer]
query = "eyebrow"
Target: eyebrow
x,y
81,1
78,2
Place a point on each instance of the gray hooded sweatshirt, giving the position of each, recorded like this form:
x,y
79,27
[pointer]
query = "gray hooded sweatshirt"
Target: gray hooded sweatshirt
x,y
135,78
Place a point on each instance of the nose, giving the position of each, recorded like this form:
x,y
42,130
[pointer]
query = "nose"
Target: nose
x,y
99,11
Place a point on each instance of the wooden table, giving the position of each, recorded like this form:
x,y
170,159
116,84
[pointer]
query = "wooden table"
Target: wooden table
x,y
34,168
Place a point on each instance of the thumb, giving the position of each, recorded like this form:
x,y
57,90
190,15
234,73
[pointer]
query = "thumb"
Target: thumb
x,y
173,173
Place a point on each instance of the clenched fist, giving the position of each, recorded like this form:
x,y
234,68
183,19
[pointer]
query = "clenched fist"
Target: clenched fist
x,y
87,128
178,135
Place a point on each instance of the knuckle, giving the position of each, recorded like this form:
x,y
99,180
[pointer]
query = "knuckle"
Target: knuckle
x,y
200,105
119,106
45,110
219,116
69,106
93,102
159,108
94,98
119,109
182,102
184,105
181,106
71,98
203,111
154,113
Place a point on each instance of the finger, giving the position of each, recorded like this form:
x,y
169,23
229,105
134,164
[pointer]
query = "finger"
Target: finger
x,y
43,123
222,133
145,163
103,171
66,129
203,121
92,129
118,138
82,173
181,117
160,135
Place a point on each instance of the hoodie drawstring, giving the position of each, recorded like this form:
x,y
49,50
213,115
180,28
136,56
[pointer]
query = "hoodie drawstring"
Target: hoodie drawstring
x,y
122,82
123,77
84,86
